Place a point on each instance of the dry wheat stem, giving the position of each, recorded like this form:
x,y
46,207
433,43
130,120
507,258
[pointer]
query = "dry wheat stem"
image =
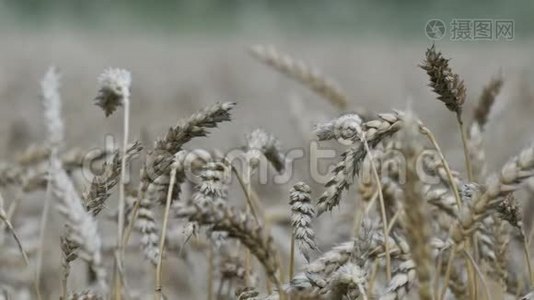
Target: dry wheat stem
x,y
82,227
248,191
44,222
292,256
160,159
210,272
477,269
382,205
248,197
375,131
208,207
452,183
9,226
448,270
51,101
467,158
416,223
527,257
121,205
5,220
477,153
499,248
158,291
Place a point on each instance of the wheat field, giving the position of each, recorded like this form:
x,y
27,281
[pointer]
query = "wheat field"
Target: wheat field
x,y
202,168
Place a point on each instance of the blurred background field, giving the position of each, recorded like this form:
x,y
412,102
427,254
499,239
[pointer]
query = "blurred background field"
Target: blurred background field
x,y
186,54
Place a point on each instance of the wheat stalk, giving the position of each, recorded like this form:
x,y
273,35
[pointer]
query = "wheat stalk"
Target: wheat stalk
x,y
417,232
451,91
101,185
55,133
157,166
342,174
82,227
174,168
114,91
208,207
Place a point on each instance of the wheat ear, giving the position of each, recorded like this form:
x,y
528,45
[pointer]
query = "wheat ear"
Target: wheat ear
x,y
158,292
418,235
260,144
304,74
85,295
159,160
375,131
401,282
82,227
302,213
115,91
383,216
51,101
102,185
451,91
208,207
486,100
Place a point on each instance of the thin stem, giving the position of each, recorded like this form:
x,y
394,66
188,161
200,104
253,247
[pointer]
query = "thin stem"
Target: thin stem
x,y
394,220
276,280
129,229
382,208
64,281
374,273
359,215
10,227
362,291
473,285
432,139
158,294
44,222
210,271
477,269
437,275
268,282
121,205
448,271
468,166
247,251
291,256
527,257
15,237
248,196
220,288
